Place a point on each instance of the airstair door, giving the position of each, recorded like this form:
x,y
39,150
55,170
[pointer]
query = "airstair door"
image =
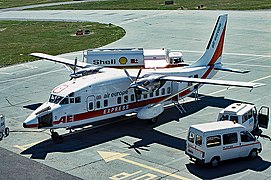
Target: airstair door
x,y
91,103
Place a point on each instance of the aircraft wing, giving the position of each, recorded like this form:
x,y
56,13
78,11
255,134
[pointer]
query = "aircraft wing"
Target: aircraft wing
x,y
60,60
212,81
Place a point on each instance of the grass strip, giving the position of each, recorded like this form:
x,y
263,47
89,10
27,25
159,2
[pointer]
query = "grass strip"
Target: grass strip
x,y
20,38
160,5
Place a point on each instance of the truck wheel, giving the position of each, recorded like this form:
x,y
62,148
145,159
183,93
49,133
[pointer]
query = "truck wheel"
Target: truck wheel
x,y
1,136
153,120
253,154
214,162
54,136
6,131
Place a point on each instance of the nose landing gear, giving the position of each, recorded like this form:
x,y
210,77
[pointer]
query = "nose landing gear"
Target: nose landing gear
x,y
55,136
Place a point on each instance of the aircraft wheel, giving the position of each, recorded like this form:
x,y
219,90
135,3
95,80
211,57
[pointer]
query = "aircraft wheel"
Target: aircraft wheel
x,y
54,136
153,120
6,131
1,136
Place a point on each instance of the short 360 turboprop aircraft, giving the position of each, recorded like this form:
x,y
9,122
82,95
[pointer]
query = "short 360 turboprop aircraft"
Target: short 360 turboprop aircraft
x,y
97,93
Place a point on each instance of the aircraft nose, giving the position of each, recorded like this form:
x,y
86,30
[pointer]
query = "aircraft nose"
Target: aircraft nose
x,y
31,122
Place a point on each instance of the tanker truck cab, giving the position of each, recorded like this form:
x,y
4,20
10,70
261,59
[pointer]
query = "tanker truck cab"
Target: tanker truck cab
x,y
246,115
219,141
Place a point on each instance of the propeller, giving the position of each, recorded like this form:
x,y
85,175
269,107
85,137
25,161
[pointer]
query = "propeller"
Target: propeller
x,y
134,84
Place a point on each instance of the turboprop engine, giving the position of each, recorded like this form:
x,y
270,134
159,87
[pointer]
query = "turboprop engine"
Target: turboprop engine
x,y
150,111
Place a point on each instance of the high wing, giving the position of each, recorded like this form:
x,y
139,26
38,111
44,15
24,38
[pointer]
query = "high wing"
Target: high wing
x,y
212,81
60,60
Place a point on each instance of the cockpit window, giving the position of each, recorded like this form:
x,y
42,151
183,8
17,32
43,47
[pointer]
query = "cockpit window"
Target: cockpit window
x,y
55,99
64,101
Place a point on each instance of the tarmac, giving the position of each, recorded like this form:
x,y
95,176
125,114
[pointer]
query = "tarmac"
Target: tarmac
x,y
128,148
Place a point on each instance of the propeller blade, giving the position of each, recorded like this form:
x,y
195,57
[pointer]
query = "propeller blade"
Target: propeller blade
x,y
126,72
138,74
75,64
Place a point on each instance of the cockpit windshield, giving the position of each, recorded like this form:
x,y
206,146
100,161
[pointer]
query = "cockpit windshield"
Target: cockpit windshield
x,y
55,99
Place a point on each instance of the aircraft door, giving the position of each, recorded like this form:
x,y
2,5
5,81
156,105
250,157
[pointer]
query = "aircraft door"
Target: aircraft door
x,y
45,120
263,117
91,103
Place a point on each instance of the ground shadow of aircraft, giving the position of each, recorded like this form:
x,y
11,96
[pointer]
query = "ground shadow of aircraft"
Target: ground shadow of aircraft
x,y
228,167
131,127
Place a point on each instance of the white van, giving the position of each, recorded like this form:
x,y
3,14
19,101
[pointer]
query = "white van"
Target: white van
x,y
218,141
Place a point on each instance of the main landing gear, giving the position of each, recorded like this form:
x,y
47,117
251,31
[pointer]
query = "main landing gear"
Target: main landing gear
x,y
55,136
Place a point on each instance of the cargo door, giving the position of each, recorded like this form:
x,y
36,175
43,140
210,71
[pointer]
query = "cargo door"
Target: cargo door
x,y
263,117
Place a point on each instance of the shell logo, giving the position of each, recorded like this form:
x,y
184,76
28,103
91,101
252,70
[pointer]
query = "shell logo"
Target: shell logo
x,y
123,60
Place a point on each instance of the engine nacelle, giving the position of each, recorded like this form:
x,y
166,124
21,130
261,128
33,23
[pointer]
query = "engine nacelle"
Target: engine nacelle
x,y
150,111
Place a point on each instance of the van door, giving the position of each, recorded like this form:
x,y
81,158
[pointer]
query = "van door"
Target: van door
x,y
230,146
263,117
91,103
248,141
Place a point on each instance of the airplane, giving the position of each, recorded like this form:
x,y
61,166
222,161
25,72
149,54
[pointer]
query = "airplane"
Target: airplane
x,y
96,93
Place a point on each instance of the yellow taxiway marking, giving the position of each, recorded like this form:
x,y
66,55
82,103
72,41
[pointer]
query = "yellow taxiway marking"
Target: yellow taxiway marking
x,y
110,156
26,146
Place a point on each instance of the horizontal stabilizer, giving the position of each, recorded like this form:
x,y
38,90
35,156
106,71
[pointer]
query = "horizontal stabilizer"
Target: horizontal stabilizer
x,y
213,82
231,70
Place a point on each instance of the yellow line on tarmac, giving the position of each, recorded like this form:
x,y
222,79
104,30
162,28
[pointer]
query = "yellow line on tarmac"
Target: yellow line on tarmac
x,y
24,147
153,169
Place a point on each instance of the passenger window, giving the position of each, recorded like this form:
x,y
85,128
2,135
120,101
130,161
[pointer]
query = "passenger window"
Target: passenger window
x,y
230,138
90,106
191,137
105,103
119,100
132,97
157,92
138,96
168,90
145,96
163,91
213,141
125,99
198,140
98,104
151,94
77,99
246,136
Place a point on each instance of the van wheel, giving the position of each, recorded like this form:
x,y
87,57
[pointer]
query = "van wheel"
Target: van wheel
x,y
214,162
6,131
153,120
1,136
253,154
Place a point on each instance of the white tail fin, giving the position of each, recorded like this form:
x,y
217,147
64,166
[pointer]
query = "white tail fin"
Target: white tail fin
x,y
213,53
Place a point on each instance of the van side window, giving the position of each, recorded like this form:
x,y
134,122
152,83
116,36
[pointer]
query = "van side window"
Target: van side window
x,y
98,104
105,103
212,141
230,138
246,136
125,99
224,117
198,140
119,100
234,119
132,97
191,137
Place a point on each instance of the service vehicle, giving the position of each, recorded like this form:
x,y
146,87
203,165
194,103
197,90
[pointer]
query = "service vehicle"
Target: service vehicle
x,y
134,58
4,131
219,141
247,115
